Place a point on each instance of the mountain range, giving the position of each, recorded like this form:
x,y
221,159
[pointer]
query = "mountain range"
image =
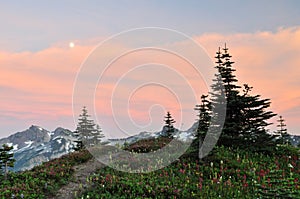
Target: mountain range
x,y
35,145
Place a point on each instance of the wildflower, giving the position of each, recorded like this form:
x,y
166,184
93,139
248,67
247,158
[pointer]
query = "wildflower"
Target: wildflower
x,y
211,164
291,166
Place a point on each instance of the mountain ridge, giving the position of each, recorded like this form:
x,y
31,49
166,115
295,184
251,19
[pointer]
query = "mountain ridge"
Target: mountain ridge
x,y
36,145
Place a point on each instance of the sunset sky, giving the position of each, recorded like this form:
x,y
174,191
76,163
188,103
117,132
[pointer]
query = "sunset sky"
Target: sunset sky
x,y
43,45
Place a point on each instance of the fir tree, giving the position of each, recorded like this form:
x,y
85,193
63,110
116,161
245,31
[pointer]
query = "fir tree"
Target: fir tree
x,y
254,117
204,117
6,158
97,136
225,85
282,131
169,128
246,115
78,142
87,132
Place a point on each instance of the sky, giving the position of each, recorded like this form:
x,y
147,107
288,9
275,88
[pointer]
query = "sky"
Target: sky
x,y
45,47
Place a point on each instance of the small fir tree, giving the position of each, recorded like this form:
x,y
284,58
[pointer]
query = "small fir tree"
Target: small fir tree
x,y
204,117
169,121
97,136
282,132
87,132
6,158
78,142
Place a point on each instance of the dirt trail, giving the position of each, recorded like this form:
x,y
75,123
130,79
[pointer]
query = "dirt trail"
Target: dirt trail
x,y
79,183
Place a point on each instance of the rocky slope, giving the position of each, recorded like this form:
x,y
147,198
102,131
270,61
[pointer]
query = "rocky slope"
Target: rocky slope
x,y
36,145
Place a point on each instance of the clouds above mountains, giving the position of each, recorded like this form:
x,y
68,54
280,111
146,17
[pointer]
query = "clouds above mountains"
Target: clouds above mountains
x,y
36,87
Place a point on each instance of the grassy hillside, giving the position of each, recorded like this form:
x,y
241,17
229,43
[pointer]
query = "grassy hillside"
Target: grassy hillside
x,y
225,173
43,180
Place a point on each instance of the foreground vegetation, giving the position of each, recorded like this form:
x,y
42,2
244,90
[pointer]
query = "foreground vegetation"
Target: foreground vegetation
x,y
225,173
43,180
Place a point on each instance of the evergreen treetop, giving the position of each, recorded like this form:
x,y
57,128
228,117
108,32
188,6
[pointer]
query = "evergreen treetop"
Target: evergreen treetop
x,y
169,121
282,132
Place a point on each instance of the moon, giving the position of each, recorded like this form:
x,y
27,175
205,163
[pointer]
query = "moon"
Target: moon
x,y
71,45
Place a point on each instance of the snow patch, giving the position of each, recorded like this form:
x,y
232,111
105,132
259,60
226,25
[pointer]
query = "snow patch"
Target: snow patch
x,y
29,143
67,147
58,141
57,137
184,136
50,133
15,147
9,144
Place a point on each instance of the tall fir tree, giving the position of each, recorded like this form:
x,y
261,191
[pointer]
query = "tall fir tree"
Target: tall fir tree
x,y
6,158
230,90
246,115
169,128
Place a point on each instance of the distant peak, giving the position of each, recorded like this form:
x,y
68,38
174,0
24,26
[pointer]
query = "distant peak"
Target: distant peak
x,y
35,127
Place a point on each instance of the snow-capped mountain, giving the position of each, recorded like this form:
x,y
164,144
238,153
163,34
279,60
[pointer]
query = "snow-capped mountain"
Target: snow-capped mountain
x,y
36,145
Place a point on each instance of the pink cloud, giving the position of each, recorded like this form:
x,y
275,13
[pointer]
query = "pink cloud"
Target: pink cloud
x,y
37,87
